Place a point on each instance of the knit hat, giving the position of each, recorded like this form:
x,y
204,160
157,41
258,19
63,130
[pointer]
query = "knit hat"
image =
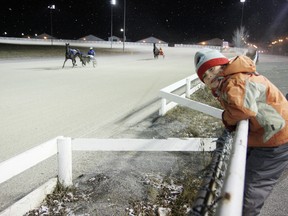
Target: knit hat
x,y
206,59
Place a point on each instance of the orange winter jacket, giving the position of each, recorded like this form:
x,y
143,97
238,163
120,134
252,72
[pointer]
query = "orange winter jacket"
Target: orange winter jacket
x,y
244,94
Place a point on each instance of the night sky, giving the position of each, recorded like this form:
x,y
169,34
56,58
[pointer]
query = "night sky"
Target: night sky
x,y
174,21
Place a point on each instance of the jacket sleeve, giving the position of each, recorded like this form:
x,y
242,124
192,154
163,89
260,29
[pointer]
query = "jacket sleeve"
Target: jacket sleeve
x,y
238,103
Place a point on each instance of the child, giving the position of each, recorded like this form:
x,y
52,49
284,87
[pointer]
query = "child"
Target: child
x,y
245,94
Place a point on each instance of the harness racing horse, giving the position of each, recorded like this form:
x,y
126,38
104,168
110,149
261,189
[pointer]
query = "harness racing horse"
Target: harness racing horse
x,y
156,51
72,54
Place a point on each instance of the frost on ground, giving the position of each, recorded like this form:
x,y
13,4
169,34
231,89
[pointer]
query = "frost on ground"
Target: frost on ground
x,y
137,191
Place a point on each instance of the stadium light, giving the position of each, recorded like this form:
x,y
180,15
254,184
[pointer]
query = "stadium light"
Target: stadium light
x,y
51,7
113,2
242,1
124,25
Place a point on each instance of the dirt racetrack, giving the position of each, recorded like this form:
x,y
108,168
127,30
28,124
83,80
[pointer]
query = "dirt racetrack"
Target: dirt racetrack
x,y
40,100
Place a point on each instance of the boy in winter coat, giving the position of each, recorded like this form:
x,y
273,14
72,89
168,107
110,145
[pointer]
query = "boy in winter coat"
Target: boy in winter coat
x,y
245,94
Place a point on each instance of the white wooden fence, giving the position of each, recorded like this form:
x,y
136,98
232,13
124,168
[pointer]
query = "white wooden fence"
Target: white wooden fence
x,y
64,146
170,99
234,180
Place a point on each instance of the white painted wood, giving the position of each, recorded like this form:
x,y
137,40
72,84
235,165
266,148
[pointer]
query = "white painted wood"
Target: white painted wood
x,y
31,201
166,106
27,159
166,92
188,86
171,144
65,161
212,111
179,84
195,88
162,110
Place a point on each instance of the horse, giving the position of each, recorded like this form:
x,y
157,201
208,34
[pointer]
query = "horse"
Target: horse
x,y
156,51
72,54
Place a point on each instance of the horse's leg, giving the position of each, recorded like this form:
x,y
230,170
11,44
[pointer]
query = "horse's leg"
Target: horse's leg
x,y
82,61
73,61
64,62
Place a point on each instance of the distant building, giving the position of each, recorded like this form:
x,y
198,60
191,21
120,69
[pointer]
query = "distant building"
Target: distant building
x,y
90,38
152,40
114,38
44,36
212,42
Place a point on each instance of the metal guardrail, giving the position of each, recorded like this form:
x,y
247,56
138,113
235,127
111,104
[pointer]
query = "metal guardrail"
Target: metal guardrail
x,y
232,192
222,189
210,192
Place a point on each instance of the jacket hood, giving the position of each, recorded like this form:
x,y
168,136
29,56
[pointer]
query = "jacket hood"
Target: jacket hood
x,y
239,64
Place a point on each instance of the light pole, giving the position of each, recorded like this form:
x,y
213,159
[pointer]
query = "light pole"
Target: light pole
x,y
242,1
124,25
113,2
51,7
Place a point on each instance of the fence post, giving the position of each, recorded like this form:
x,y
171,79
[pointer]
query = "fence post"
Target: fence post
x,y
162,110
188,87
65,161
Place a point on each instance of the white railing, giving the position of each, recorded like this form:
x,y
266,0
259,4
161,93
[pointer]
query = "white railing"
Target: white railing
x,y
170,99
80,42
28,159
64,146
232,201
234,180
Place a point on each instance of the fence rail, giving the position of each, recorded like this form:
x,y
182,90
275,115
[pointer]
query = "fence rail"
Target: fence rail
x,y
64,146
233,185
170,99
28,159
232,192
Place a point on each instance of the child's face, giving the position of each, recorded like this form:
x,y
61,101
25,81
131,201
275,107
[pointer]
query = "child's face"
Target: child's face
x,y
210,75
